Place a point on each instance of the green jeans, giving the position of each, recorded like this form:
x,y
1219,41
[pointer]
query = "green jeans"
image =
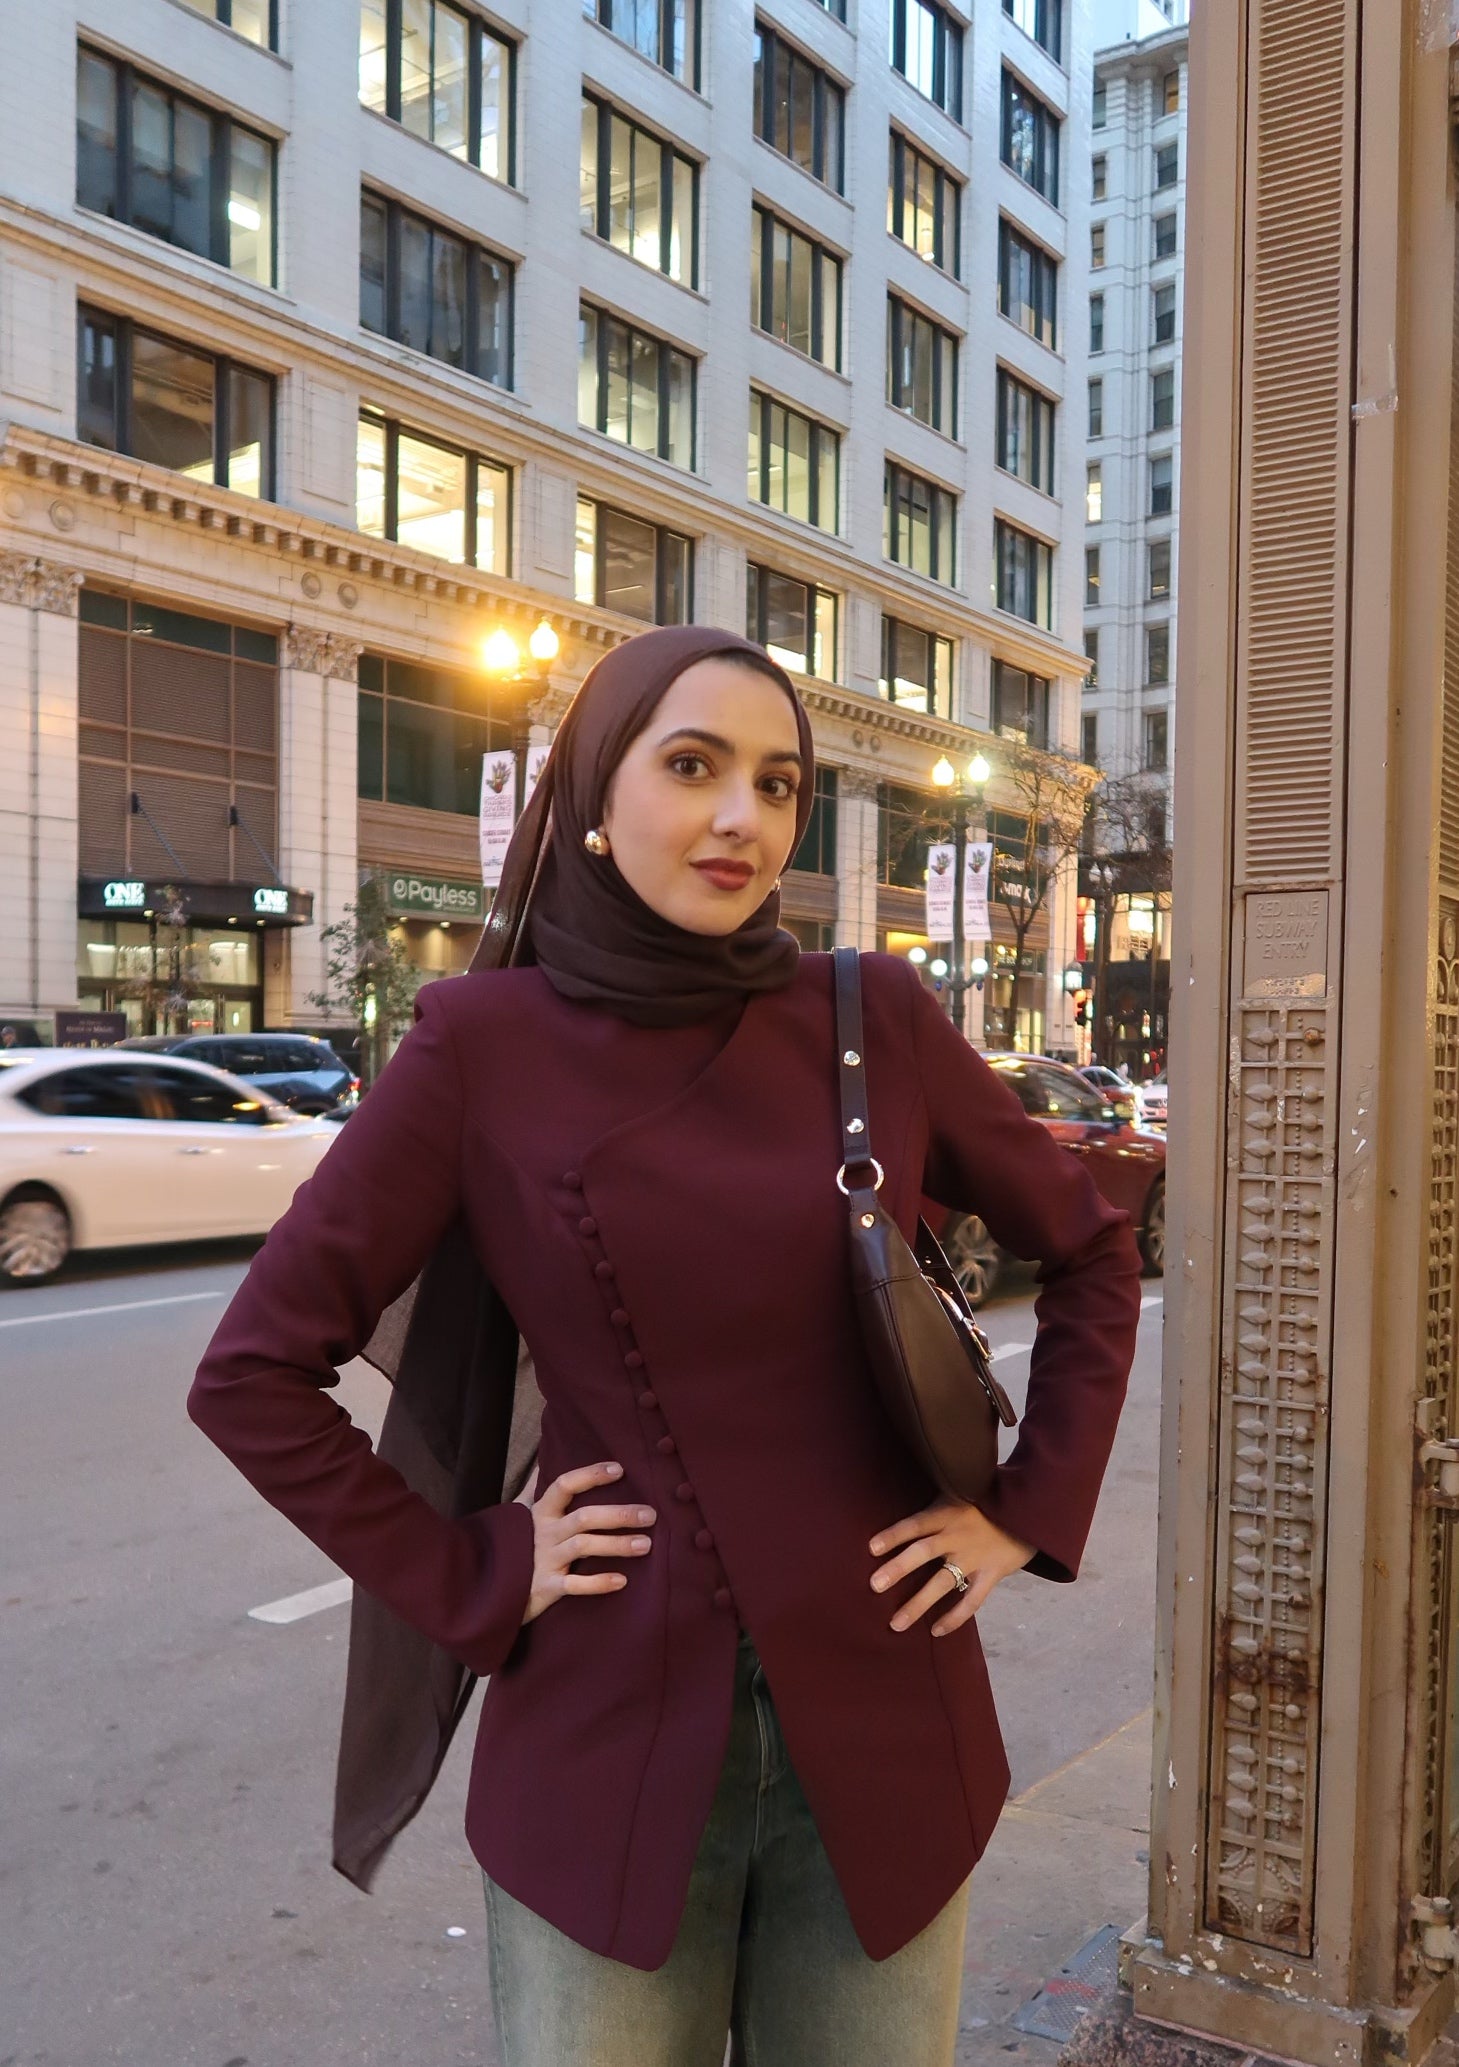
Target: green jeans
x,y
765,1957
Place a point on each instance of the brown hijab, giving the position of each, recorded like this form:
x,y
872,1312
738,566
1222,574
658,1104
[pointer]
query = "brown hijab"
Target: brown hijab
x,y
461,1425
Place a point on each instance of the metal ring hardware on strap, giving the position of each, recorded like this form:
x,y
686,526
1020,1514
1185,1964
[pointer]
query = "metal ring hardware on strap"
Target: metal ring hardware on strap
x,y
841,1178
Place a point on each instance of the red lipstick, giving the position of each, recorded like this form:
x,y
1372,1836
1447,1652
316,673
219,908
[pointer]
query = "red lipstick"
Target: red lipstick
x,y
726,874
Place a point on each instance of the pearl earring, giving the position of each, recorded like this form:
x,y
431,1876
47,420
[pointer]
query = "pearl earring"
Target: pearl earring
x,y
596,842
777,882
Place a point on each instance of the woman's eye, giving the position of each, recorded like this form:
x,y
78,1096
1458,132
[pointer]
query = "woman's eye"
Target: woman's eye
x,y
688,764
781,788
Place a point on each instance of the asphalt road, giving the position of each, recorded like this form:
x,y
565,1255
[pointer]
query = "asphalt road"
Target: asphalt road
x,y
166,1759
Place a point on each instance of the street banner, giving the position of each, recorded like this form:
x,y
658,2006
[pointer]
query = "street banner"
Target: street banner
x,y
940,864
498,812
536,762
978,866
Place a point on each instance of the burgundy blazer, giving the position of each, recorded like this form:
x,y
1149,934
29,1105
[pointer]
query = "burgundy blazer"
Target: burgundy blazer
x,y
658,1209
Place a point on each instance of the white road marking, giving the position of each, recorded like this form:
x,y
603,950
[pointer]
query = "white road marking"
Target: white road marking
x,y
82,1313
295,1606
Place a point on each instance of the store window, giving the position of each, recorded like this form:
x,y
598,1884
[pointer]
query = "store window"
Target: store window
x,y
173,167
166,402
434,292
423,732
625,563
638,193
445,75
795,621
916,668
410,488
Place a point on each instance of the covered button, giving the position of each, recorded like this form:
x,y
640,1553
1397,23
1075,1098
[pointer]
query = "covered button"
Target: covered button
x,y
667,1446
684,1491
704,1539
723,1598
588,1225
648,1400
603,1270
572,1180
618,1317
634,1359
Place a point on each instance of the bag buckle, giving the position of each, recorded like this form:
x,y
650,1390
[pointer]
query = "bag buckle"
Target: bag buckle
x,y
841,1178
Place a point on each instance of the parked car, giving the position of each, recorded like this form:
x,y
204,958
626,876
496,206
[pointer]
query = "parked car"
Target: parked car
x,y
299,1072
1152,1103
100,1148
1116,1090
1126,1162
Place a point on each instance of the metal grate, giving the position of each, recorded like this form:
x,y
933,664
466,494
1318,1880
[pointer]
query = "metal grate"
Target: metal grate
x,y
1080,1985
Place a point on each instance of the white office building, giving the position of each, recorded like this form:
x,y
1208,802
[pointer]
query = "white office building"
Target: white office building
x,y
336,335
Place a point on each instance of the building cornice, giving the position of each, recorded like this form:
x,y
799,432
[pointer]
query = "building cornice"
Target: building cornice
x,y
37,584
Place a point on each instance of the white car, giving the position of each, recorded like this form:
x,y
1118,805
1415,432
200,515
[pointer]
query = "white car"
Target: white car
x,y
1152,1102
100,1148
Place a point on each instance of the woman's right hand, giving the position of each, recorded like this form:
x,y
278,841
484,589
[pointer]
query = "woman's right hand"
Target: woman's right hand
x,y
562,1535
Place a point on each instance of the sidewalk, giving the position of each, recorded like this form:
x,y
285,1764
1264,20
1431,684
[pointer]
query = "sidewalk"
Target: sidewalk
x,y
1068,1857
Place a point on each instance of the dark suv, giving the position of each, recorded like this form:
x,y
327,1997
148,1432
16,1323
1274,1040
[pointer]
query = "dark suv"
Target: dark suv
x,y
1126,1162
297,1070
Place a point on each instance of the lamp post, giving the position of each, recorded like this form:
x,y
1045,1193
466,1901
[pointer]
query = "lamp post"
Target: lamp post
x,y
1102,876
502,657
963,790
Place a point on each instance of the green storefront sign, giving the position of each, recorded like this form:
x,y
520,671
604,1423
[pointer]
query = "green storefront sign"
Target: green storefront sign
x,y
434,897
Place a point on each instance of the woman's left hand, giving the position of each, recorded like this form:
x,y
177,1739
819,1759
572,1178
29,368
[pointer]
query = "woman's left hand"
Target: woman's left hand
x,y
982,1553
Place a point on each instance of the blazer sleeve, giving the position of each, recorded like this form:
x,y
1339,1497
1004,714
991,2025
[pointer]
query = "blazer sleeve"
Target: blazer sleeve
x,y
986,1156
356,1235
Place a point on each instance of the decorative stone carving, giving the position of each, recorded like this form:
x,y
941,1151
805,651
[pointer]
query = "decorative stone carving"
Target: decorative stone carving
x,y
857,785
39,584
321,653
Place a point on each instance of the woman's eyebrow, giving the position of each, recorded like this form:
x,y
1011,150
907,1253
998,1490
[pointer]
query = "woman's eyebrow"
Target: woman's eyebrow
x,y
723,745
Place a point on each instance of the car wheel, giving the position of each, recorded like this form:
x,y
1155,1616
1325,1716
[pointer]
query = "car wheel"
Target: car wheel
x,y
976,1259
1152,1237
35,1237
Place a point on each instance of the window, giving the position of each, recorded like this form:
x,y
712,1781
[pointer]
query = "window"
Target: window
x,y
1093,492
1027,285
257,20
1096,245
174,168
1164,298
92,1093
1096,322
1100,107
174,405
435,292
1165,236
423,732
1159,583
795,288
793,620
1020,705
1030,139
625,563
1162,485
1091,575
1091,654
816,854
1162,399
664,31
921,367
794,463
799,109
919,524
1089,739
1157,744
927,49
1041,19
924,206
444,75
452,504
1099,180
916,668
1157,654
638,193
1096,409
1170,93
1167,166
1025,432
635,388
1023,574
902,832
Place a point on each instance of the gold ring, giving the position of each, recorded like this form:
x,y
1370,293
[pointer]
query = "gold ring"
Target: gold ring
x,y
959,1576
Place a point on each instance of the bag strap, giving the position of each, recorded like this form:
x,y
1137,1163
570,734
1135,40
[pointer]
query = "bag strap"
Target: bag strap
x,y
851,1067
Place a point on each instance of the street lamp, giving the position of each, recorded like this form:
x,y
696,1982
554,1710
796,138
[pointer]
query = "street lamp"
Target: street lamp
x,y
1102,876
501,655
963,790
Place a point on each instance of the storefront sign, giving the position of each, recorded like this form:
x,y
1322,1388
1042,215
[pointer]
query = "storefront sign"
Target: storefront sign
x,y
498,812
203,904
977,861
90,1029
124,896
436,897
272,903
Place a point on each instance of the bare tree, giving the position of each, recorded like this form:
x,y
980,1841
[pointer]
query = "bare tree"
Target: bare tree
x,y
368,974
165,976
1052,792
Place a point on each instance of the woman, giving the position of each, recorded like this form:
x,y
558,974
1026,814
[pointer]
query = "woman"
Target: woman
x,y
738,1756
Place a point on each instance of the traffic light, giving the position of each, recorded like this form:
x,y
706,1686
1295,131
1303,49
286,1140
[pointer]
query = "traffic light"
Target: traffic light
x,y
1081,1008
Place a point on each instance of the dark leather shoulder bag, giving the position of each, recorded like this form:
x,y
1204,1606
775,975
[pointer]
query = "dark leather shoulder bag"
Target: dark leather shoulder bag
x,y
931,1361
